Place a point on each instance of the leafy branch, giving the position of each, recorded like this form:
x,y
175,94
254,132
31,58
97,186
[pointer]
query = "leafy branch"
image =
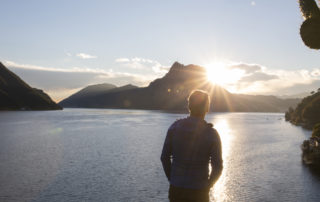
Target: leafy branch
x,y
310,28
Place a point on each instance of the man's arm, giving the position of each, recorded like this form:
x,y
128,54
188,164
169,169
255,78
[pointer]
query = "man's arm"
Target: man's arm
x,y
216,160
166,154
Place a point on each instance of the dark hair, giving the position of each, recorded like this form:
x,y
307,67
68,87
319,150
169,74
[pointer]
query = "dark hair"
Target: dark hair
x,y
198,102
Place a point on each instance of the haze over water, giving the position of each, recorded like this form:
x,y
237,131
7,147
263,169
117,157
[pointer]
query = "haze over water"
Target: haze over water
x,y
114,155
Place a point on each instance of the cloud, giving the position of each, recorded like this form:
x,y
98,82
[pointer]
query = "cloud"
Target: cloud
x,y
85,56
258,76
160,69
60,83
121,60
300,88
315,72
247,68
253,3
143,64
258,79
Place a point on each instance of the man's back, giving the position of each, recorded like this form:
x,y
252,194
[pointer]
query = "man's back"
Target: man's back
x,y
192,143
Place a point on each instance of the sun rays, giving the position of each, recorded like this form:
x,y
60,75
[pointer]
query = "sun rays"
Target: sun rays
x,y
219,73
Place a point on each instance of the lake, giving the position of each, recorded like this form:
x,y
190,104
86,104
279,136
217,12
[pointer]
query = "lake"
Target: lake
x,y
114,155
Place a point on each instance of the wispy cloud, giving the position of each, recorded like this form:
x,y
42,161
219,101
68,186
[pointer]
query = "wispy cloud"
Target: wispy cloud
x,y
247,68
85,56
60,83
143,63
258,79
258,76
121,60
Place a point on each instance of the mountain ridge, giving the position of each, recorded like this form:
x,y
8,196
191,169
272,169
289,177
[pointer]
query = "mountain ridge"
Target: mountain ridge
x,y
171,91
15,94
91,91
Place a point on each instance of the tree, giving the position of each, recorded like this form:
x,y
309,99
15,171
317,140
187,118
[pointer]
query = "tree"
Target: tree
x,y
311,112
310,28
316,130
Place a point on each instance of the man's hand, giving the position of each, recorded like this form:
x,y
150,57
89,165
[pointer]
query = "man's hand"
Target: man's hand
x,y
215,174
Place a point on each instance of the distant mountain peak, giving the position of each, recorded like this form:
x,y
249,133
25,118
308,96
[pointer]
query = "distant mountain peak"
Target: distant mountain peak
x,y
130,85
103,85
177,67
91,91
180,71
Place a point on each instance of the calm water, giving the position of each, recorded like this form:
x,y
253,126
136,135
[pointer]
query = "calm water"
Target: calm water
x,y
113,155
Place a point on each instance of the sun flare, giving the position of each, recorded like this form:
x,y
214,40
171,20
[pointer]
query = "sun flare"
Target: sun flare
x,y
219,73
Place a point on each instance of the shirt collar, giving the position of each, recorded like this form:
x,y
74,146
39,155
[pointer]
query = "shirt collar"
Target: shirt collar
x,y
193,118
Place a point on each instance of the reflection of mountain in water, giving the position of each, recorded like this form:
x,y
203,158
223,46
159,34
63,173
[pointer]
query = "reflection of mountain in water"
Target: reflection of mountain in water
x,y
15,94
171,91
315,171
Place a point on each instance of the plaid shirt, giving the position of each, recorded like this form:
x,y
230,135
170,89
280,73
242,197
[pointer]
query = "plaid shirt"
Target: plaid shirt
x,y
190,145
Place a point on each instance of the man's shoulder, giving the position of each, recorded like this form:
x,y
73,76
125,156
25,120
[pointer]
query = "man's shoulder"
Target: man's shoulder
x,y
214,135
177,123
211,130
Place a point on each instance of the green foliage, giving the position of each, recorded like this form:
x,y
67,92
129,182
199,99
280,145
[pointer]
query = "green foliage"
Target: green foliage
x,y
316,130
307,112
310,28
311,111
309,9
289,113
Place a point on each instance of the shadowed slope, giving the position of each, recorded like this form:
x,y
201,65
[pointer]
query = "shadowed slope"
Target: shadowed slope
x,y
307,112
15,94
87,96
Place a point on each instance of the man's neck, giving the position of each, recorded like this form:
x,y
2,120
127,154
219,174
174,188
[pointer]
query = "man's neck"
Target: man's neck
x,y
198,116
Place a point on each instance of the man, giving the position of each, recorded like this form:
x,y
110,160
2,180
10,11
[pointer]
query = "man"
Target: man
x,y
190,145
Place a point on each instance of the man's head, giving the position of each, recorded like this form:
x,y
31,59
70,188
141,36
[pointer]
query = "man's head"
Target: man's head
x,y
199,103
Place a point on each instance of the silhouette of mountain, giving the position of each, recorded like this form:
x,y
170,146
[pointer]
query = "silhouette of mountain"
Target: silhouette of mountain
x,y
15,94
88,94
171,91
296,95
307,112
93,90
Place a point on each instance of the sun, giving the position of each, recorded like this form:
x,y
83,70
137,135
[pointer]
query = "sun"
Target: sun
x,y
219,73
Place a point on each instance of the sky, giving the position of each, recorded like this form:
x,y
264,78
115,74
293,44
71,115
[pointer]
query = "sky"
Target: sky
x,y
62,46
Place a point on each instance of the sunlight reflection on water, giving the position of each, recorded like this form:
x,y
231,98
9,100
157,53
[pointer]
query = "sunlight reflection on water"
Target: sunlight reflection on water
x,y
218,193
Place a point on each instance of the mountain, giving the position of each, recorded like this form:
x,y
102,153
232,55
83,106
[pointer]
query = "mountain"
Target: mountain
x,y
307,112
15,94
171,91
93,90
296,95
86,95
